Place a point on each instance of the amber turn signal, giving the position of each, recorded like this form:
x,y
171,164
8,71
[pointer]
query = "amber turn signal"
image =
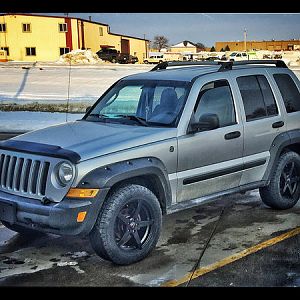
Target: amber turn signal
x,y
81,216
82,193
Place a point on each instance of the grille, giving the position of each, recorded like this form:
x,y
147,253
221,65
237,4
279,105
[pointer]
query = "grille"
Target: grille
x,y
22,175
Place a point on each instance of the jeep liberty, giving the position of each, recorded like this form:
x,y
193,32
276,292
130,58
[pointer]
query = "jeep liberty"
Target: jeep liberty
x,y
154,143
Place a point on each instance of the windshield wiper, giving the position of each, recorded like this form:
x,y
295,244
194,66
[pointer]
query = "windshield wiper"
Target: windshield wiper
x,y
135,118
98,115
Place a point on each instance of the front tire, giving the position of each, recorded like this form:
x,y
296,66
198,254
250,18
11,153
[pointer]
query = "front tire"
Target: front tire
x,y
128,226
283,192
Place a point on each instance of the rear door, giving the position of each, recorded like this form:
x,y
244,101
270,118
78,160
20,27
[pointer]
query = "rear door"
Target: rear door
x,y
263,118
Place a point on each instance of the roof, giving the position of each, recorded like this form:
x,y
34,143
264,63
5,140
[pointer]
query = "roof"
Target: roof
x,y
66,17
188,71
184,44
178,73
47,16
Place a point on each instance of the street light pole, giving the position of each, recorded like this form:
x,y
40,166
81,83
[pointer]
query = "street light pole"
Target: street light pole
x,y
245,39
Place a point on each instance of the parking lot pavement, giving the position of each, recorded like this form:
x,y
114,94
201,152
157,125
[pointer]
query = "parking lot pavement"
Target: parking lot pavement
x,y
51,260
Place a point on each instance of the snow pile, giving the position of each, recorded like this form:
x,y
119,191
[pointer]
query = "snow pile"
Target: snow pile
x,y
80,57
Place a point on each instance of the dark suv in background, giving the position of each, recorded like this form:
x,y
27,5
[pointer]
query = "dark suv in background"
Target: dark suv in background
x,y
115,56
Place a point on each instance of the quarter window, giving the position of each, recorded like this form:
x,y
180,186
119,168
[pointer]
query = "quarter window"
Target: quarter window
x,y
100,31
26,27
2,27
257,96
216,98
289,92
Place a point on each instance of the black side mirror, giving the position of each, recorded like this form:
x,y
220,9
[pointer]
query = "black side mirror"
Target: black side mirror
x,y
87,109
207,121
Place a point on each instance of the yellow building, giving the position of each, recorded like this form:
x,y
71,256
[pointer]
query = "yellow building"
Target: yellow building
x,y
27,37
258,45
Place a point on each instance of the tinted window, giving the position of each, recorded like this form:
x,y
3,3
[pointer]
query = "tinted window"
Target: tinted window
x,y
289,92
267,95
215,97
257,97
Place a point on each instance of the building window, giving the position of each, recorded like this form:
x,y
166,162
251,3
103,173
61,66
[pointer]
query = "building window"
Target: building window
x,y
26,27
30,51
63,27
2,27
63,51
100,31
6,49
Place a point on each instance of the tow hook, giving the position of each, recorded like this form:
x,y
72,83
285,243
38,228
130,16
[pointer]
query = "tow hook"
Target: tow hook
x,y
45,201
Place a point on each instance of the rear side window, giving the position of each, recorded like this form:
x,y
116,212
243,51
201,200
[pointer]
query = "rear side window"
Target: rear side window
x,y
289,92
257,96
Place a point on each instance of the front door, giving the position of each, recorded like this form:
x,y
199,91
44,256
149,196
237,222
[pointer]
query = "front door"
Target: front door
x,y
211,161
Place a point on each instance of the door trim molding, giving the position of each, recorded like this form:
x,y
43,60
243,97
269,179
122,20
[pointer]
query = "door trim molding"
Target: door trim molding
x,y
226,171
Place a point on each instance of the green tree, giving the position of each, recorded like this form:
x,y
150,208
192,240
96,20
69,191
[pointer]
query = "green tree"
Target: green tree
x,y
227,48
212,49
222,50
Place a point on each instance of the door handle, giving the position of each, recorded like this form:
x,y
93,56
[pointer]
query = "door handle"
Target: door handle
x,y
232,135
278,124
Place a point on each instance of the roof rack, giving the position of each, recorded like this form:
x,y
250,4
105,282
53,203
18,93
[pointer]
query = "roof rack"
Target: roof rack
x,y
225,65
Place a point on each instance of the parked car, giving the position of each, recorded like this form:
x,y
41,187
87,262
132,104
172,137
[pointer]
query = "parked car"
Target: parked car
x,y
115,56
155,143
237,56
154,59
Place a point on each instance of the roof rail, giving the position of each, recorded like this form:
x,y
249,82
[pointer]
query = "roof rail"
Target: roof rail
x,y
225,65
165,64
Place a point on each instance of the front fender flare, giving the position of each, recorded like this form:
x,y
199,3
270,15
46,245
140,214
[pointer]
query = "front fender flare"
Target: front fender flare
x,y
109,175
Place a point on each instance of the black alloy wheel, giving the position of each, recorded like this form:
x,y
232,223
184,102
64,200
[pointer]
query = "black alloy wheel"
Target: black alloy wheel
x,y
290,181
128,226
283,190
133,225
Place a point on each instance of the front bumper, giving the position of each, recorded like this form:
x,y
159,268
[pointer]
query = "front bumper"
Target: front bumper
x,y
58,218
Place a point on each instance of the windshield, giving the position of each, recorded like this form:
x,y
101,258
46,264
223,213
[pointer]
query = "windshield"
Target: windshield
x,y
144,103
233,54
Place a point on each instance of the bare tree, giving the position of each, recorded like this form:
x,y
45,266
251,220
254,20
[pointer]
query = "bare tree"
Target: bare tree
x,y
200,46
160,42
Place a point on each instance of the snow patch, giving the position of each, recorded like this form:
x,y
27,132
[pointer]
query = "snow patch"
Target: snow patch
x,y
80,56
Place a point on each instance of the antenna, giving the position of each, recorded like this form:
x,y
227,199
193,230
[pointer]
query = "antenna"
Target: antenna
x,y
68,99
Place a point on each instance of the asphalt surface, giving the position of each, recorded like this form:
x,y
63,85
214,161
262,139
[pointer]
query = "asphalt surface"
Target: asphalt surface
x,y
49,260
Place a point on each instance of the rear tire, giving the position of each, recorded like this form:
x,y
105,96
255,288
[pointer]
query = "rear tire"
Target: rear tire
x,y
128,226
283,192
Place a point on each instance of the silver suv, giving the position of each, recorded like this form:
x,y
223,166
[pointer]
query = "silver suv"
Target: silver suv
x,y
155,143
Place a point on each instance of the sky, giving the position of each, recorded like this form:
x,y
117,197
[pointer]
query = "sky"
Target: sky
x,y
206,28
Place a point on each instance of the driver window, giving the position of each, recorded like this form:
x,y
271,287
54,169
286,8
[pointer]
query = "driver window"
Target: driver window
x,y
216,98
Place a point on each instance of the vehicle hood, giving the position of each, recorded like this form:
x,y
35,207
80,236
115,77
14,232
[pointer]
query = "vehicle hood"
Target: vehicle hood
x,y
92,139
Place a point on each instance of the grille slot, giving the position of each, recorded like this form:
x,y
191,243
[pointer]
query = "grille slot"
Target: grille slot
x,y
23,175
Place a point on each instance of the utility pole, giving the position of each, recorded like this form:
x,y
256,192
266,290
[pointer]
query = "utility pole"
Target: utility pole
x,y
245,39
146,45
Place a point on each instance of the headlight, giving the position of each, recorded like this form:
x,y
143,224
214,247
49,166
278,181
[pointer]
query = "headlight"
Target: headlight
x,y
65,173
